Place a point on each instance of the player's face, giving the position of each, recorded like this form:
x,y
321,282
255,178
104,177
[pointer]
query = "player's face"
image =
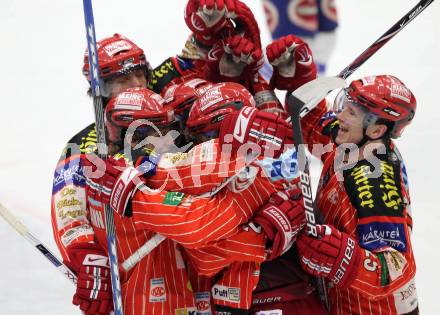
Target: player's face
x,y
134,79
157,138
351,124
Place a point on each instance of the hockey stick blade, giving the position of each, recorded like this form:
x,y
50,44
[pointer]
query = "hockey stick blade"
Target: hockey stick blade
x,y
311,93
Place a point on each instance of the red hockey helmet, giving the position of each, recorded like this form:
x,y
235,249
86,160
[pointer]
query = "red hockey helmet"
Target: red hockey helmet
x,y
117,55
134,104
211,108
181,95
385,97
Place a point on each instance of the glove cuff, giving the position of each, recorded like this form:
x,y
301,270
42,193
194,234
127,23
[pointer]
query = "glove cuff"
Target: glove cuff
x,y
348,268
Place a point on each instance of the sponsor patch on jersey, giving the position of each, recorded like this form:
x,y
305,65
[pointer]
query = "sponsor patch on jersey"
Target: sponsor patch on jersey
x,y
173,198
284,167
71,173
172,159
376,235
203,303
69,205
157,290
223,293
395,262
405,298
375,192
186,311
74,233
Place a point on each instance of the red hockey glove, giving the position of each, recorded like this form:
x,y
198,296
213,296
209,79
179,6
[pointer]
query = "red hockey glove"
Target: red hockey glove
x,y
334,255
292,63
115,186
281,219
234,59
268,131
205,18
246,24
93,290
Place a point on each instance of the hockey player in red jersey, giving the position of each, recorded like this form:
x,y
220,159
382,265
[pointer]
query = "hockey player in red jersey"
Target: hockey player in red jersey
x,y
79,229
306,299
208,226
364,249
284,288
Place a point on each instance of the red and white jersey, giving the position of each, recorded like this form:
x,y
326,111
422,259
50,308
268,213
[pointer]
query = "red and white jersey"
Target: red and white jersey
x,y
159,283
210,225
232,287
187,208
376,211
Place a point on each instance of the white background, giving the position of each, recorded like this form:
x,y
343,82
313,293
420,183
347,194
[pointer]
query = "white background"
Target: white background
x,y
43,104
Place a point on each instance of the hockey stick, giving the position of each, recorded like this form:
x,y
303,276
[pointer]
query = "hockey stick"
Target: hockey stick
x,y
304,99
313,97
309,92
299,106
102,150
23,231
373,48
143,251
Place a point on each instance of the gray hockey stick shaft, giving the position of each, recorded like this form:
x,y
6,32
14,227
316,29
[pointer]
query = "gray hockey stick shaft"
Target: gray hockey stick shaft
x,y
10,218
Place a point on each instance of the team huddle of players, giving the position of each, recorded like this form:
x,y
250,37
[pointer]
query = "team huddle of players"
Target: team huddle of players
x,y
201,151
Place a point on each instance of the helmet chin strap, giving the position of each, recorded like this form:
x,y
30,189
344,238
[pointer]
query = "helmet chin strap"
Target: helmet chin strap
x,y
369,119
365,139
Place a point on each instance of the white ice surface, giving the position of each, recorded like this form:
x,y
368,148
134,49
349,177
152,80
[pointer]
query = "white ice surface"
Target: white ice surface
x,y
43,103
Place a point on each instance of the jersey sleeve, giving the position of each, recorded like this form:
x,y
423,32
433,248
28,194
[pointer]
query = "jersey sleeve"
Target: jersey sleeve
x,y
190,220
69,212
70,220
203,169
196,221
383,230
